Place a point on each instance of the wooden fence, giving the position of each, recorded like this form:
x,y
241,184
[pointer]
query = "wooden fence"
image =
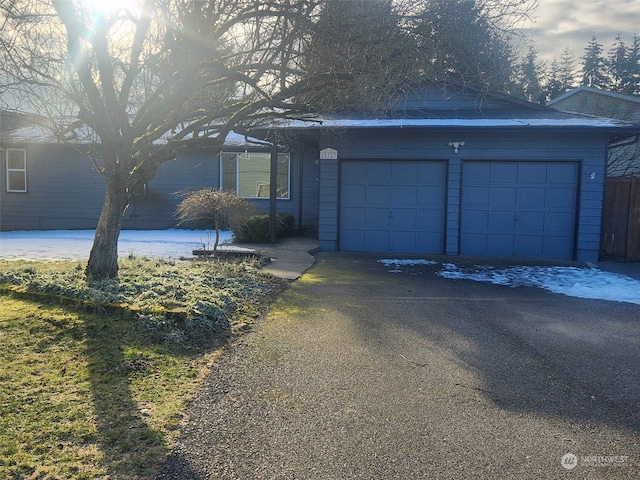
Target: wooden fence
x,y
621,220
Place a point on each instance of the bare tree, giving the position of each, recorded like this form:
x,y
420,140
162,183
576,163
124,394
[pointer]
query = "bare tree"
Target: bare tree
x,y
143,81
212,209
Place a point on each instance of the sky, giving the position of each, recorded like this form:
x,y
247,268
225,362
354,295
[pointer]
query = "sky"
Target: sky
x,y
572,23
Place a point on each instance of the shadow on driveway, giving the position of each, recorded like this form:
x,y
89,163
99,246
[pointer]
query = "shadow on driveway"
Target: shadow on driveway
x,y
363,373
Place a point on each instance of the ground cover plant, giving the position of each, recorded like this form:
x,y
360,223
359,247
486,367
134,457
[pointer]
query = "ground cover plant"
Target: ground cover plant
x,y
95,376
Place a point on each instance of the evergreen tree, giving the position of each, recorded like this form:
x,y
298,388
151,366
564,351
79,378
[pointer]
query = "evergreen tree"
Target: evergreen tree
x,y
568,70
593,66
554,83
562,74
617,66
633,66
530,74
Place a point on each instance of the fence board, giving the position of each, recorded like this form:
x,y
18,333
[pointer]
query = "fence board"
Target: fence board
x,y
620,238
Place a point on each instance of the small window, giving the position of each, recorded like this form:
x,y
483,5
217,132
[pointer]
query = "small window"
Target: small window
x,y
16,170
248,174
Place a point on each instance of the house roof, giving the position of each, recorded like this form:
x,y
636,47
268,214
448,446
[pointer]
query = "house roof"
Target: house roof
x,y
40,134
596,91
437,108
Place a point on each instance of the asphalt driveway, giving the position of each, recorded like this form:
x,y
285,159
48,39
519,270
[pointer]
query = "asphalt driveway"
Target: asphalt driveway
x,y
359,373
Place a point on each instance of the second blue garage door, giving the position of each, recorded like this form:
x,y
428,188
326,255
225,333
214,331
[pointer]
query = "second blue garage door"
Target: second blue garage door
x,y
521,209
395,206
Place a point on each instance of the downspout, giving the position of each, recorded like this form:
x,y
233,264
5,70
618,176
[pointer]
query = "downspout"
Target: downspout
x,y
300,186
273,192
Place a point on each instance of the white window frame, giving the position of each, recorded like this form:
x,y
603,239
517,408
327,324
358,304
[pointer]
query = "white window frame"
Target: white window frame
x,y
10,172
260,185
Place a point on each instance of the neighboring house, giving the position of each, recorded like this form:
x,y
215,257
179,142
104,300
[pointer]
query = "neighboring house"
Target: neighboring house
x,y
446,173
624,157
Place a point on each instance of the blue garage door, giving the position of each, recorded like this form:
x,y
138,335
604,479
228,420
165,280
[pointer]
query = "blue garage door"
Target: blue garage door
x,y
524,209
395,206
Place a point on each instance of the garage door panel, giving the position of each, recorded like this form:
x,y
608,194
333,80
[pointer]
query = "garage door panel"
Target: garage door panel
x,y
378,172
355,195
478,221
403,173
474,244
532,174
433,238
528,222
431,173
378,195
352,239
532,197
531,214
562,173
376,240
478,172
556,222
354,217
501,221
476,196
558,247
431,195
403,218
404,195
529,246
403,241
430,220
377,218
561,198
401,208
503,197
499,244
504,173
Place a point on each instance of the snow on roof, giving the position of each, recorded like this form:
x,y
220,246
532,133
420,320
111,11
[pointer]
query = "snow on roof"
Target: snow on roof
x,y
40,134
576,121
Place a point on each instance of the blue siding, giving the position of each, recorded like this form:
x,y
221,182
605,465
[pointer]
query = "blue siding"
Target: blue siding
x,y
64,191
328,205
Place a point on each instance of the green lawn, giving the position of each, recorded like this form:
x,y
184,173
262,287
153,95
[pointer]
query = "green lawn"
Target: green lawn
x,y
95,378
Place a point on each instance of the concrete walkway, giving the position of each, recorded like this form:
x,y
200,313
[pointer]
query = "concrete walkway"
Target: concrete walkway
x,y
289,257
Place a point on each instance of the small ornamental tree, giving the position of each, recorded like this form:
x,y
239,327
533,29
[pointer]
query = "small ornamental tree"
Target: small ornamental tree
x,y
211,209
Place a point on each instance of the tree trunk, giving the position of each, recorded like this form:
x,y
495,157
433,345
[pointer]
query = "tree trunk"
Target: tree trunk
x,y
103,259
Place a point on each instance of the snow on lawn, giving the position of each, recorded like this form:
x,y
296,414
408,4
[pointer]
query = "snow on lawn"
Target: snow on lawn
x,y
572,281
76,244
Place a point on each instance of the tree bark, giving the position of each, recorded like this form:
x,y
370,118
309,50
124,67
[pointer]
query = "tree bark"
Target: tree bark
x,y
103,259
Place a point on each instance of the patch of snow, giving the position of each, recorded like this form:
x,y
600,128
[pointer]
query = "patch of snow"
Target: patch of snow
x,y
572,281
388,262
76,244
